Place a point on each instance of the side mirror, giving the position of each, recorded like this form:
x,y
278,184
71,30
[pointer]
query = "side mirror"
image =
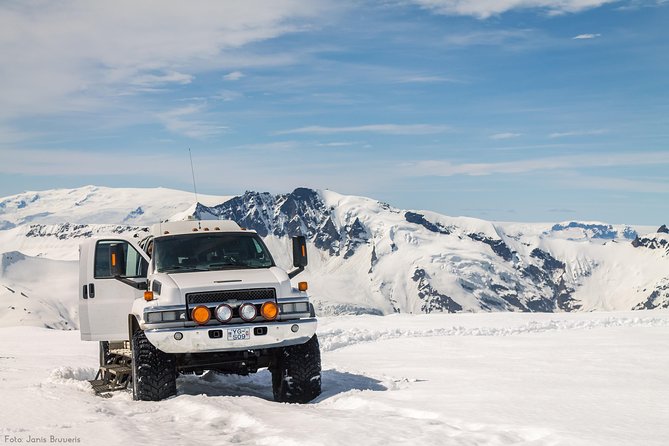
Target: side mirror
x,y
117,259
299,252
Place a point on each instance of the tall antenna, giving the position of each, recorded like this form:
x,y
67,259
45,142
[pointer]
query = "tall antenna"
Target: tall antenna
x,y
193,172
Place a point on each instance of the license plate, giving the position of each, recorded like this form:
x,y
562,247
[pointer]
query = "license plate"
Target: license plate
x,y
239,334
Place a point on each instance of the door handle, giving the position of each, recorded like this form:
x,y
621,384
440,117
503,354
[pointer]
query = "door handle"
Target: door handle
x,y
91,290
85,292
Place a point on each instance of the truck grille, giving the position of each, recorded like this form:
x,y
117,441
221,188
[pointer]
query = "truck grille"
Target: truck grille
x,y
222,296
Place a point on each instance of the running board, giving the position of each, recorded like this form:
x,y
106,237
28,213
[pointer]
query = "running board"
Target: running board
x,y
112,377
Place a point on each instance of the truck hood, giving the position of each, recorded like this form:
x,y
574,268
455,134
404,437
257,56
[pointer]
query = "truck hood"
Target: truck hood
x,y
231,279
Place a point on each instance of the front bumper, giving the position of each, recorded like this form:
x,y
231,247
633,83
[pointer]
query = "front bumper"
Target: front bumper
x,y
197,339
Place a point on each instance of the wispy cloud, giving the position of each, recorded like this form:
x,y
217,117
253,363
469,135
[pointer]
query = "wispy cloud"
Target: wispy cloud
x,y
493,37
74,55
40,162
578,133
388,129
228,95
338,144
507,135
186,121
424,79
234,76
163,78
448,168
483,9
586,36
615,183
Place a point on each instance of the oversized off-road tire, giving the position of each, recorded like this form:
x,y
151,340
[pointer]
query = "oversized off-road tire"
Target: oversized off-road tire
x,y
154,373
296,374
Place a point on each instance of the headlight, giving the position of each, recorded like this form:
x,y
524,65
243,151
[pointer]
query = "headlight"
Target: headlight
x,y
299,307
224,313
164,316
248,312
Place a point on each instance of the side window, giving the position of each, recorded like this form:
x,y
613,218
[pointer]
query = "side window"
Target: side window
x,y
259,253
132,263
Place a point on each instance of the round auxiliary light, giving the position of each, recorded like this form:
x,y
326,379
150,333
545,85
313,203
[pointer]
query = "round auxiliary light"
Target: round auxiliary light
x,y
248,312
201,314
178,336
224,313
269,310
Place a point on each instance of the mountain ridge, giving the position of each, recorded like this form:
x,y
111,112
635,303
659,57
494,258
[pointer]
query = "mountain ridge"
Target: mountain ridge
x,y
370,257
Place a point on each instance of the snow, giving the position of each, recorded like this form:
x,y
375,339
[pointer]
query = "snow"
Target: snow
x,y
381,275
38,291
465,379
94,204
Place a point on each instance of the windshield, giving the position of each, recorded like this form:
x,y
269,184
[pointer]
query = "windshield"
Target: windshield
x,y
207,252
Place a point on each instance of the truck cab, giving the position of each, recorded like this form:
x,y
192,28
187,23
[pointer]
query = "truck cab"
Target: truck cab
x,y
195,296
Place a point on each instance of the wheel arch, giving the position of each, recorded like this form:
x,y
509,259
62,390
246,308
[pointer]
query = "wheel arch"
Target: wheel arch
x,y
133,326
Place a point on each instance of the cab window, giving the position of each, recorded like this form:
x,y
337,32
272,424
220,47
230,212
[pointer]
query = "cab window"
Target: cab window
x,y
133,264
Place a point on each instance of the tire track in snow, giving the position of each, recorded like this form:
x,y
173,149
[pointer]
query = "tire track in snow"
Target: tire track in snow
x,y
340,338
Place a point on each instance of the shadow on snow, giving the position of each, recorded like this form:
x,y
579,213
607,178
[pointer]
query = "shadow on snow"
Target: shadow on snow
x,y
259,384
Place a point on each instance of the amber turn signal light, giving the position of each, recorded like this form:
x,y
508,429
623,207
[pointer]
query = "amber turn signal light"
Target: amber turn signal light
x,y
269,310
201,314
148,295
303,286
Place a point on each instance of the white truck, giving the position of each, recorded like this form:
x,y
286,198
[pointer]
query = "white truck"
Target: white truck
x,y
196,296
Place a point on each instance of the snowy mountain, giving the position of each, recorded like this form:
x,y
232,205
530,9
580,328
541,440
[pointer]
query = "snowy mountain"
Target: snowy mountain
x,y
365,256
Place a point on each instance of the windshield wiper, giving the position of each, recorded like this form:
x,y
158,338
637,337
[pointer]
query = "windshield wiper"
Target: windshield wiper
x,y
227,266
182,269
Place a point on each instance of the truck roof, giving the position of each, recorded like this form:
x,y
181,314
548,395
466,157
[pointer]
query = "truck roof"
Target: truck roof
x,y
190,226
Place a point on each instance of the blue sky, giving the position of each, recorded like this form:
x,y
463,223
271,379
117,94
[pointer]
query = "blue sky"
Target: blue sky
x,y
515,110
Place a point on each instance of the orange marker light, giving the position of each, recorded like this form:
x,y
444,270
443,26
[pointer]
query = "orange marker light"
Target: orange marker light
x,y
201,314
113,259
304,251
303,286
148,295
269,310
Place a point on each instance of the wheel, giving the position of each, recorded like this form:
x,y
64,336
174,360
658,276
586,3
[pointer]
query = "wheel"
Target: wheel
x,y
296,375
154,373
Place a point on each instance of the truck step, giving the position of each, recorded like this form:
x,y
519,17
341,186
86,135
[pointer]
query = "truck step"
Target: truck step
x,y
116,369
101,387
125,352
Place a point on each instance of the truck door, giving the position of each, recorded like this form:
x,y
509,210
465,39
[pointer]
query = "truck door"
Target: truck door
x,y
105,302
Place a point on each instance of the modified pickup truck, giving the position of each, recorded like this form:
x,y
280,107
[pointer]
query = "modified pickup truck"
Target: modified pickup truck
x,y
196,296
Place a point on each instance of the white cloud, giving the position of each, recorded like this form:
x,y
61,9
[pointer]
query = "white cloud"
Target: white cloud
x,y
487,8
73,162
507,135
228,95
72,55
586,36
184,121
426,79
163,78
387,129
234,76
578,133
494,37
448,168
622,184
338,144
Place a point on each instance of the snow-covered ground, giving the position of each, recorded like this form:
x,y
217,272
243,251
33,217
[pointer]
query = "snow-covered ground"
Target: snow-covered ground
x,y
442,379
